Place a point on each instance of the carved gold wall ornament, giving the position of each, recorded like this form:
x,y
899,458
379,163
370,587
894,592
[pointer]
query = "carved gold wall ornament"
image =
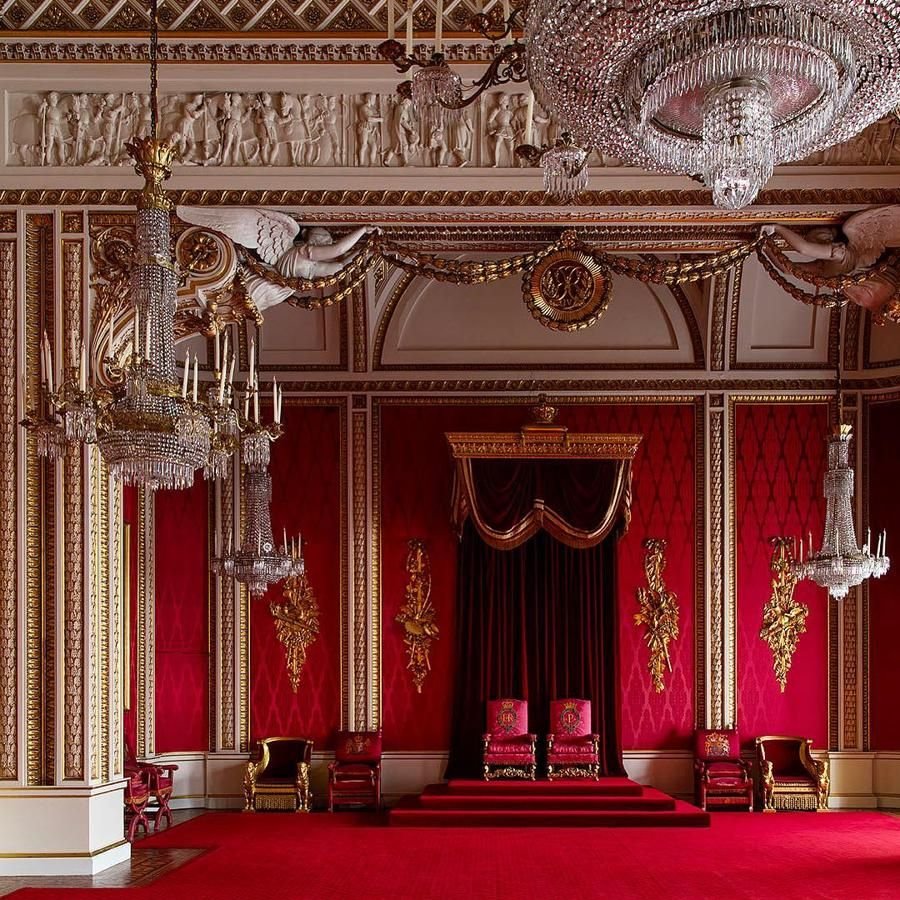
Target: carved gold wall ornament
x,y
658,612
296,624
418,615
568,290
784,618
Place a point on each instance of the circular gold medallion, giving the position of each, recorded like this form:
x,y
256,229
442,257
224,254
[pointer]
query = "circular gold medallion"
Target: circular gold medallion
x,y
568,290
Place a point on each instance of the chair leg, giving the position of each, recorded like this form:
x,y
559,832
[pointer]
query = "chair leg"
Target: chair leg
x,y
165,811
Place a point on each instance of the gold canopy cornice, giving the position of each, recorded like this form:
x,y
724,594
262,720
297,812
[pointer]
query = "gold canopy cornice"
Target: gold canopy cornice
x,y
538,443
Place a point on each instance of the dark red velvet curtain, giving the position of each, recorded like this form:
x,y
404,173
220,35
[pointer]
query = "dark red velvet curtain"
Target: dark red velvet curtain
x,y
536,622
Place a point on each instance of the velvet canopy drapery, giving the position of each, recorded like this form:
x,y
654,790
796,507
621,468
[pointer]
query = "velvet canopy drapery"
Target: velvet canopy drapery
x,y
539,515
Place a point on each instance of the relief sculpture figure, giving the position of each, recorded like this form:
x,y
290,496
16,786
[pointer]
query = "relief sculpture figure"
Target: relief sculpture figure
x,y
858,246
274,236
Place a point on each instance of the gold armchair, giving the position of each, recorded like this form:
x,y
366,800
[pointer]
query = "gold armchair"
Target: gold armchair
x,y
277,775
791,778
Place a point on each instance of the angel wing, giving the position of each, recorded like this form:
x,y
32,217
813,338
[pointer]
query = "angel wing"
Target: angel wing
x,y
270,233
871,232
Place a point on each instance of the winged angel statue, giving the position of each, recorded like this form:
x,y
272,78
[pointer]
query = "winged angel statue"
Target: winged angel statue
x,y
856,256
274,236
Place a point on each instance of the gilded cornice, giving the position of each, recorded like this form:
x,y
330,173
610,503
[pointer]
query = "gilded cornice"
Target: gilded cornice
x,y
545,445
447,199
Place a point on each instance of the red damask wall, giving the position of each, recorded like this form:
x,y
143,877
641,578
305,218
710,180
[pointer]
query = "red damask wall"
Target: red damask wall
x,y
779,463
884,593
182,619
306,473
416,481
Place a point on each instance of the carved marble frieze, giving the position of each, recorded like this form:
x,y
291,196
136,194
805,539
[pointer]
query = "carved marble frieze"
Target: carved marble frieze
x,y
316,130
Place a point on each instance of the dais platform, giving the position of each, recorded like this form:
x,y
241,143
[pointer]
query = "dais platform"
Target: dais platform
x,y
608,802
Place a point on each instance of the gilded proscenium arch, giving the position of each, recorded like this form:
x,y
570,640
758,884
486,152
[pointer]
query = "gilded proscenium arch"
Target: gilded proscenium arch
x,y
697,400
400,287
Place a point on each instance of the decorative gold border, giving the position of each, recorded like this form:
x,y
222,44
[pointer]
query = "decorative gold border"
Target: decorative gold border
x,y
227,618
361,654
717,592
360,331
40,544
127,197
73,543
700,556
9,678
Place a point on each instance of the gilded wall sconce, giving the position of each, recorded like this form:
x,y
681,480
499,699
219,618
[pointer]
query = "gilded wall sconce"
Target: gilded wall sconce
x,y
418,615
296,624
658,612
784,619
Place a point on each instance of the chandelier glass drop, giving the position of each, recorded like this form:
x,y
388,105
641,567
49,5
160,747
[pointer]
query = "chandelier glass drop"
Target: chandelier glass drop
x,y
149,432
721,90
257,562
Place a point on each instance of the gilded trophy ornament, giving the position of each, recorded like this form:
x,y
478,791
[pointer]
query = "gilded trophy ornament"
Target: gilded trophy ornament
x,y
658,612
418,615
568,290
296,624
784,618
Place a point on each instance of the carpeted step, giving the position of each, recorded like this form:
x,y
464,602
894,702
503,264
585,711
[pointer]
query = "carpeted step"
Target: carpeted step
x,y
580,786
649,800
409,813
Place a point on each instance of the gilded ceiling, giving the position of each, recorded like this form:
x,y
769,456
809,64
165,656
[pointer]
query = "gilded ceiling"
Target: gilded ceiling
x,y
348,17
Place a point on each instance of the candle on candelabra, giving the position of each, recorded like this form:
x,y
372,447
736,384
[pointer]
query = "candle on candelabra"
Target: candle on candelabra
x,y
230,542
869,539
82,369
221,385
195,378
231,372
278,407
284,539
391,29
274,400
256,403
74,356
184,379
439,27
252,359
810,543
409,28
247,403
216,351
225,349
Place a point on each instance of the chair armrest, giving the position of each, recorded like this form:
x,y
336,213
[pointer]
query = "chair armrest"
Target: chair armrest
x,y
168,769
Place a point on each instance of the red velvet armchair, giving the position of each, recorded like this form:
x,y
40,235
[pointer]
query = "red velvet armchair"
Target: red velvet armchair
x,y
723,779
159,779
508,746
573,751
355,775
791,778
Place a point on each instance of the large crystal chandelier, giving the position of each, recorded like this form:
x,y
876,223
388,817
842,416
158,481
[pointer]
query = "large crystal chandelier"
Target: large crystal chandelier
x,y
256,561
840,564
150,431
721,90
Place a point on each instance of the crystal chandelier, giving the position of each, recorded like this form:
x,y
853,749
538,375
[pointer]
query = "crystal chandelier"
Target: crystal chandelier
x,y
148,432
840,564
723,90
256,562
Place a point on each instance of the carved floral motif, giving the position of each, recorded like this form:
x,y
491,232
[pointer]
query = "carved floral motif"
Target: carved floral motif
x,y
296,624
418,615
658,612
784,618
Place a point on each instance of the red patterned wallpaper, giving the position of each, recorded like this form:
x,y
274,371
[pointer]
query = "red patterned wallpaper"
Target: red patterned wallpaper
x,y
306,473
182,619
884,593
779,458
130,518
415,486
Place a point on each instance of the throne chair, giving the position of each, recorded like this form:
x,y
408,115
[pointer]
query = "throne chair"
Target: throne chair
x,y
277,775
723,779
137,795
159,779
508,746
573,751
355,775
791,778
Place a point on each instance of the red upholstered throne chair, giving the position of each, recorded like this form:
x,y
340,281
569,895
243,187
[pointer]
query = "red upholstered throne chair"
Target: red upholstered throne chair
x,y
355,775
573,751
723,779
159,779
791,778
509,748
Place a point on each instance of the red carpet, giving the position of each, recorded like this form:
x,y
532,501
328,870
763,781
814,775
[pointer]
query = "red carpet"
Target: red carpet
x,y
608,803
833,856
